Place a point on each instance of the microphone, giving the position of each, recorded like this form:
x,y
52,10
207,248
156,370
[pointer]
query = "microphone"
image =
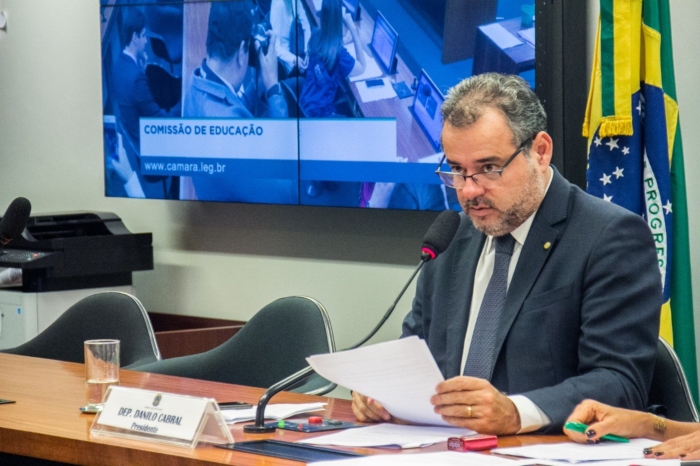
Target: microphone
x,y
14,220
435,242
439,235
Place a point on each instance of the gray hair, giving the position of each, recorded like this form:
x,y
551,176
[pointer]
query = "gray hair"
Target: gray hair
x,y
510,94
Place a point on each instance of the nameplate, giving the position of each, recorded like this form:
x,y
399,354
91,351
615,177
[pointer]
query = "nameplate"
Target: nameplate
x,y
159,417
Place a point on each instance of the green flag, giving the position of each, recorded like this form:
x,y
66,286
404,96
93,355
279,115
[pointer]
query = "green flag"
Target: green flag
x,y
635,156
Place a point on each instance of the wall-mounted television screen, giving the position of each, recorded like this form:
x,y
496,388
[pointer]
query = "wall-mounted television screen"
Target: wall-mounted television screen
x,y
286,101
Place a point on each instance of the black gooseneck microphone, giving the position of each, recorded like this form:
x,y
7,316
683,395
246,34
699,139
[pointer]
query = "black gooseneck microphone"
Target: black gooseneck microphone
x,y
436,240
14,221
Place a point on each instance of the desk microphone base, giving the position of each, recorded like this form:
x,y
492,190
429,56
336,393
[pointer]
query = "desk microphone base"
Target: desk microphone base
x,y
307,425
264,429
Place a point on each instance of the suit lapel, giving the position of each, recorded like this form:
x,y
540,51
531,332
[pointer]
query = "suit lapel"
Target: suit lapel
x,y
461,286
533,256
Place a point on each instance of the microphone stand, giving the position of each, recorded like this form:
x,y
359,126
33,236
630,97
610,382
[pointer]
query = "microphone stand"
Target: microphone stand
x,y
259,427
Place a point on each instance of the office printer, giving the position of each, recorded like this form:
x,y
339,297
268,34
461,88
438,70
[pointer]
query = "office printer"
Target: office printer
x,y
75,250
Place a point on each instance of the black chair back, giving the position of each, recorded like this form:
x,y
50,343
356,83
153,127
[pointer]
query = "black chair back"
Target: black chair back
x,y
271,346
669,395
289,87
165,88
107,315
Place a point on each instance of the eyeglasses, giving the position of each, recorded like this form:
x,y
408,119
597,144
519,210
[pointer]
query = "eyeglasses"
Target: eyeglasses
x,y
486,178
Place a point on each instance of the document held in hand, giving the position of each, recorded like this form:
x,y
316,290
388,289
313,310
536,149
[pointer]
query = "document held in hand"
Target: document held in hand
x,y
400,374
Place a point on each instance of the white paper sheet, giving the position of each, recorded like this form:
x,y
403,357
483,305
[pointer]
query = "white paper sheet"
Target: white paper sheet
x,y
451,458
276,411
370,94
372,69
528,35
635,462
389,435
500,36
400,374
576,452
448,458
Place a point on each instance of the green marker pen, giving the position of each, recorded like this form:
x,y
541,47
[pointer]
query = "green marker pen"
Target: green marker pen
x,y
578,427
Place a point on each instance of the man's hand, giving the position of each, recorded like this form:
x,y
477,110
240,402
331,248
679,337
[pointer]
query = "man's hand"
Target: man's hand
x,y
303,63
475,404
120,164
268,61
368,410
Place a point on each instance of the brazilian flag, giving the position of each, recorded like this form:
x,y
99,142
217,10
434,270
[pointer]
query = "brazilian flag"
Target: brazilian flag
x,y
635,156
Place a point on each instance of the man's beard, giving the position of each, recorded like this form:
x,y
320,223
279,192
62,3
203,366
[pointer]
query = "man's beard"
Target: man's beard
x,y
528,201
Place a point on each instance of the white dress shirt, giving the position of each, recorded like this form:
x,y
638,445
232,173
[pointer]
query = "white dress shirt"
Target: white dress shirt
x,y
531,416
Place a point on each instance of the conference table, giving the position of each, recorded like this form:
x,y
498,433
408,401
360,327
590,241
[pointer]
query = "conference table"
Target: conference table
x,y
45,421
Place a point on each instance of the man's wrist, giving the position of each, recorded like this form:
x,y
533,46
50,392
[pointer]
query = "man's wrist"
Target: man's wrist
x,y
530,416
516,422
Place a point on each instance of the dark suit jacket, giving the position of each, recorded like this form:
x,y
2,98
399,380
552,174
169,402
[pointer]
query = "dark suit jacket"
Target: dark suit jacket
x,y
581,317
132,95
132,99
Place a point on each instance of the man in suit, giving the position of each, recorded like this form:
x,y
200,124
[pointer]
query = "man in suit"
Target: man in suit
x,y
226,86
132,99
577,313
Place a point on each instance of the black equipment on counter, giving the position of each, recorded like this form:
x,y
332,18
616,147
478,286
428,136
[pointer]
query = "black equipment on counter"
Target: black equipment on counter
x,y
73,250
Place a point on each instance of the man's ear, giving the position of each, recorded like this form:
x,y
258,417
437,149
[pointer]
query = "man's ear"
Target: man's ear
x,y
242,53
542,149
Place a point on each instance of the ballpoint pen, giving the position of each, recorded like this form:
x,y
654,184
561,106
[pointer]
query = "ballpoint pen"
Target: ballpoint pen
x,y
579,427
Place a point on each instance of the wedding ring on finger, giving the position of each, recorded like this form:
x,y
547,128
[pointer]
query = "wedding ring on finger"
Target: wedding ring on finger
x,y
469,411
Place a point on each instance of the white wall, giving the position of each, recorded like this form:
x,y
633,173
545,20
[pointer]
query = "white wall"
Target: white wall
x,y
224,260
212,260
684,15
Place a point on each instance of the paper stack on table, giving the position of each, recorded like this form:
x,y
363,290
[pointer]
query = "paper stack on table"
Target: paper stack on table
x,y
448,458
276,411
451,458
576,452
389,435
371,94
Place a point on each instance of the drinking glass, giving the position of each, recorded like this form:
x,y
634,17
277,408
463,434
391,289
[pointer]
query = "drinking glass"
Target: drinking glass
x,y
101,371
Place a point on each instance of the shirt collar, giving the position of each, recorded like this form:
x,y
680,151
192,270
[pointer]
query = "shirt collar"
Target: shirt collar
x,y
129,54
211,75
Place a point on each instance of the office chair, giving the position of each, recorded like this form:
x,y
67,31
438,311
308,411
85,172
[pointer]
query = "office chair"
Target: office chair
x,y
290,96
271,346
669,395
160,50
164,25
107,315
165,88
344,104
